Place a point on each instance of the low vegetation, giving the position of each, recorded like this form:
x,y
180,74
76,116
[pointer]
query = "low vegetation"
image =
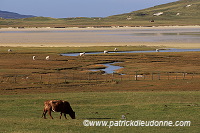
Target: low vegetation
x,y
19,70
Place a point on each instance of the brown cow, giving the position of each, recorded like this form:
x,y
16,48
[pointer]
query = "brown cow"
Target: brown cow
x,y
58,106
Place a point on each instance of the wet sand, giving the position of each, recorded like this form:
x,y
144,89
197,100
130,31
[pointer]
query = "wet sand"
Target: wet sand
x,y
78,37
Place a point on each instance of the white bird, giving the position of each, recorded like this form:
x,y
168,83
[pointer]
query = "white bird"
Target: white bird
x,y
115,49
123,117
157,50
9,50
33,57
47,57
82,54
105,52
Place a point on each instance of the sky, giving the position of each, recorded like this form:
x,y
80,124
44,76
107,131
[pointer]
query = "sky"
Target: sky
x,y
77,8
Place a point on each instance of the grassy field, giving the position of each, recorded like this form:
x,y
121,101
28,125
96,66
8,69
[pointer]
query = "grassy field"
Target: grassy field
x,y
20,74
21,113
162,100
104,22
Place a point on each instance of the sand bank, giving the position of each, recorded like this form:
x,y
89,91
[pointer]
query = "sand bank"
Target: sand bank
x,y
93,28
78,37
168,45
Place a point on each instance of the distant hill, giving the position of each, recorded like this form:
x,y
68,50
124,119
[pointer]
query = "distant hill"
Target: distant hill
x,y
182,13
12,15
182,9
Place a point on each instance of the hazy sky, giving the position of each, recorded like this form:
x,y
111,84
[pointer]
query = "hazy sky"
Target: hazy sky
x,y
77,8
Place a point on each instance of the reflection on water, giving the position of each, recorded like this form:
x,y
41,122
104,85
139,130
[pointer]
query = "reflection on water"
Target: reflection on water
x,y
168,34
148,51
110,68
179,35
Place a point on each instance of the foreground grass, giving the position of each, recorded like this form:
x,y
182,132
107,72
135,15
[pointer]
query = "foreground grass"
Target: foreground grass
x,y
139,100
21,113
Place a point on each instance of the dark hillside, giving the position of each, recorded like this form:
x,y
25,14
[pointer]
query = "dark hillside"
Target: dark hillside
x,y
12,15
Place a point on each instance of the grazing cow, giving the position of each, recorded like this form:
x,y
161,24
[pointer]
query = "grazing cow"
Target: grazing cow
x,y
58,106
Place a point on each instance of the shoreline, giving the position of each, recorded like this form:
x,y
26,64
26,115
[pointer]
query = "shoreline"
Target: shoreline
x,y
96,28
144,44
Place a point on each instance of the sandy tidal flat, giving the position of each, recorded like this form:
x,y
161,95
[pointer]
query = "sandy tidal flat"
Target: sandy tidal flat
x,y
184,37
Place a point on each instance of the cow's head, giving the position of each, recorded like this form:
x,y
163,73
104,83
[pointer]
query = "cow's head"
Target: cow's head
x,y
72,115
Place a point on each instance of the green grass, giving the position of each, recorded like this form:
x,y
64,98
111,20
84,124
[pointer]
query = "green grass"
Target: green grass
x,y
21,113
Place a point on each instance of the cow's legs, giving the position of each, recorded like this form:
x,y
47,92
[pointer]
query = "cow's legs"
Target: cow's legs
x,y
50,114
65,116
44,113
